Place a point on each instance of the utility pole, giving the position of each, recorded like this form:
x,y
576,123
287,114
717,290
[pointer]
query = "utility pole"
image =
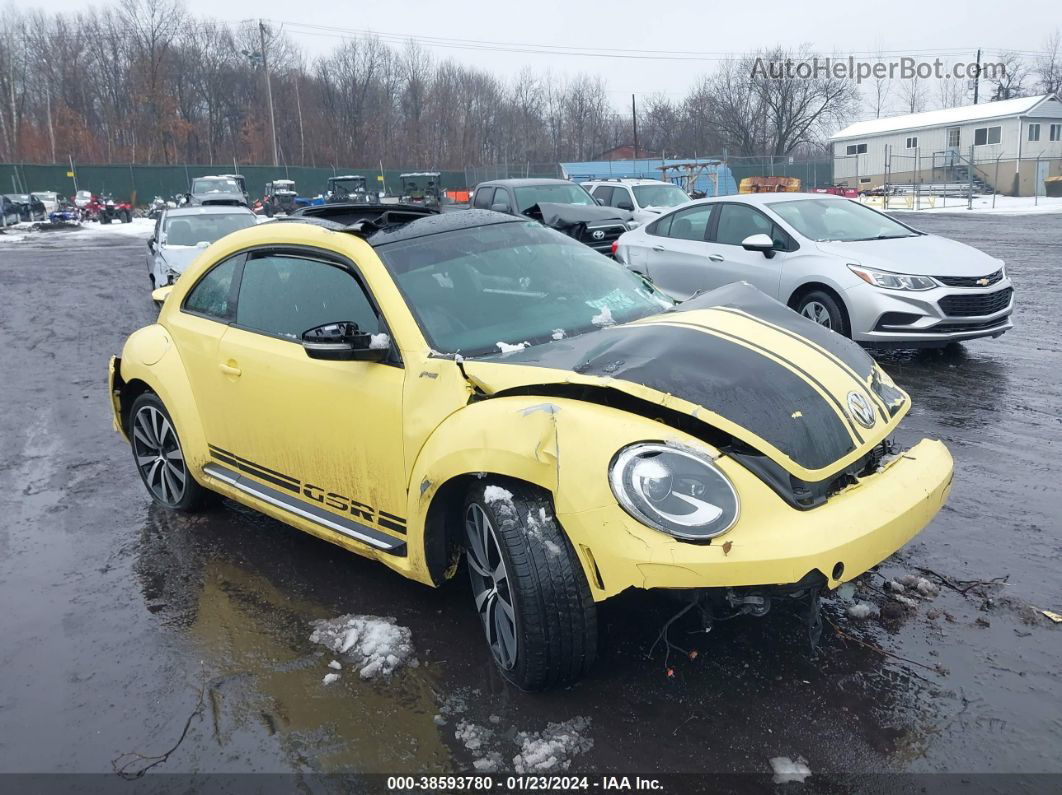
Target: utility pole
x,y
269,89
977,76
634,117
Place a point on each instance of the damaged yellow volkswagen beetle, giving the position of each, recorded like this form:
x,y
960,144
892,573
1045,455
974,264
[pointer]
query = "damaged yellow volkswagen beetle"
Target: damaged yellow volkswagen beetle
x,y
420,387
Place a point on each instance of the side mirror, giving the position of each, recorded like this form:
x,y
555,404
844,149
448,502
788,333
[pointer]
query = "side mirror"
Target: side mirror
x,y
599,201
500,208
344,342
151,244
761,243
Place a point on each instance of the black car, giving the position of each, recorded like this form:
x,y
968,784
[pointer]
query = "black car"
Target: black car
x,y
29,207
558,204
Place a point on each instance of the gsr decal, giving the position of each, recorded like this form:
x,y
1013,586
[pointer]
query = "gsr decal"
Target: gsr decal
x,y
334,500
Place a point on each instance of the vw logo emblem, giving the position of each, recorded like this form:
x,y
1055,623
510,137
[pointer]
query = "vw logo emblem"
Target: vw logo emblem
x,y
860,409
599,235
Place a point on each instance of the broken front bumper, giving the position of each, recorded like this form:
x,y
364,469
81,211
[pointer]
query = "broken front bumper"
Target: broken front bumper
x,y
772,543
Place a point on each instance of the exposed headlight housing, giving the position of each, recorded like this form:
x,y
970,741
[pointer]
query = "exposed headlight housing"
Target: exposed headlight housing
x,y
675,490
893,281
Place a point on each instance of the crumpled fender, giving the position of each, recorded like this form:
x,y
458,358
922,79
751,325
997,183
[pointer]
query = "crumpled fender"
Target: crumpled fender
x,y
563,445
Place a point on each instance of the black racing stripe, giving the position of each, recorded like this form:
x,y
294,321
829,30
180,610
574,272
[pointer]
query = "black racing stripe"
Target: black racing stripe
x,y
744,386
813,346
794,365
394,516
247,461
250,470
747,298
395,526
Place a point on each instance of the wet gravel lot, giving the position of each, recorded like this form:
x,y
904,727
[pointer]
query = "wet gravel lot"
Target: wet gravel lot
x,y
119,621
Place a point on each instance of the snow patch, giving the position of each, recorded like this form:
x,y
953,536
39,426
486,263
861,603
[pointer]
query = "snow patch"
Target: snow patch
x,y
603,318
862,610
330,678
553,748
558,334
377,646
493,494
536,528
335,665
786,769
846,592
378,342
505,347
919,585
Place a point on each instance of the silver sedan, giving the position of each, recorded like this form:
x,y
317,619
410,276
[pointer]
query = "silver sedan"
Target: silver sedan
x,y
833,260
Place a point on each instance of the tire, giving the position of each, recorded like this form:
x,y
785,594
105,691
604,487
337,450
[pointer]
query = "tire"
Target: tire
x,y
532,597
159,458
820,307
105,219
126,217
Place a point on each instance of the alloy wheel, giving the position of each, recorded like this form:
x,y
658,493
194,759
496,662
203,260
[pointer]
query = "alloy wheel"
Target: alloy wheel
x,y
158,456
813,310
490,586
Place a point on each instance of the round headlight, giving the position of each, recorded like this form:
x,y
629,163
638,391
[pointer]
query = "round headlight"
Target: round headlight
x,y
674,490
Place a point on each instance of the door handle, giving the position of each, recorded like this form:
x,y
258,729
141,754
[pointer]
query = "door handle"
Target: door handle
x,y
715,257
658,248
229,369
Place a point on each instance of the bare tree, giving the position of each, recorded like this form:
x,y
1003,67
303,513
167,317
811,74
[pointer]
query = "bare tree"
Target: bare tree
x,y
1049,66
913,95
1009,77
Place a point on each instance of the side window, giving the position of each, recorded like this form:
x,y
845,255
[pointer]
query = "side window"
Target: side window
x,y
738,221
501,196
662,227
484,197
603,193
691,223
212,296
284,295
621,199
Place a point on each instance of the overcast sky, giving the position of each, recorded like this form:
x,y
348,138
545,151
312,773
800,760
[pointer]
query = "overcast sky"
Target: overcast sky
x,y
701,30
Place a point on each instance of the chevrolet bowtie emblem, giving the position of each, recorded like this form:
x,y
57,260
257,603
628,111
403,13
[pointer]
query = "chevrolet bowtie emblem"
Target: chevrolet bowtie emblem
x,y
983,282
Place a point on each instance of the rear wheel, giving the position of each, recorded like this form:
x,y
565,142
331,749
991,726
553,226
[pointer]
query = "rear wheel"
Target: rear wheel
x,y
822,308
529,589
159,457
126,216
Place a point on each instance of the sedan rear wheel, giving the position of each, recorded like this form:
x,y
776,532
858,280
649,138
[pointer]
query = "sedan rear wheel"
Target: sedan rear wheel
x,y
159,457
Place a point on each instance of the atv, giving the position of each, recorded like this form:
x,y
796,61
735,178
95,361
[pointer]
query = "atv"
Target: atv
x,y
111,210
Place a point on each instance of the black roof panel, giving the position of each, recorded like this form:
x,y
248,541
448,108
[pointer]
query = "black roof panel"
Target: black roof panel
x,y
436,224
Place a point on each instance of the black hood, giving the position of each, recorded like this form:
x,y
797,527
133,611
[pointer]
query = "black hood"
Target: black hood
x,y
734,359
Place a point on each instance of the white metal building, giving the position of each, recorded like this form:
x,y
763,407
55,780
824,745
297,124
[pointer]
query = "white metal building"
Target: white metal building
x,y
1011,146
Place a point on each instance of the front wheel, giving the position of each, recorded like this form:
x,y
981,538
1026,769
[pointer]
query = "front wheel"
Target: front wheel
x,y
822,308
529,589
159,457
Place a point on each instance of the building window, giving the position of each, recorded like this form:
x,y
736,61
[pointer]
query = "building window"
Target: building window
x,y
857,149
1056,132
985,136
864,180
953,137
1034,132
912,142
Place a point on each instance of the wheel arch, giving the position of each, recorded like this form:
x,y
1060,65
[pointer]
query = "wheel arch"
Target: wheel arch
x,y
810,287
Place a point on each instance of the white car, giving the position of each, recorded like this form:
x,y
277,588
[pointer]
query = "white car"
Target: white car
x,y
847,267
182,233
645,198
50,200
